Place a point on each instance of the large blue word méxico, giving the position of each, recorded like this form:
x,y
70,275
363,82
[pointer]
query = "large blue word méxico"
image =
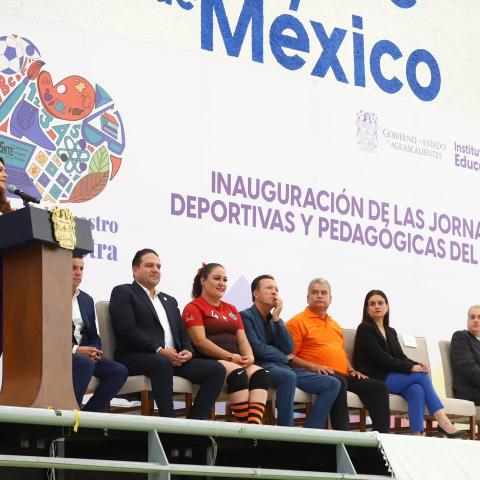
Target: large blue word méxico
x,y
404,3
291,42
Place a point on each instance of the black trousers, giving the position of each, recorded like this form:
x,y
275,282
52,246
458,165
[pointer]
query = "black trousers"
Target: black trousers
x,y
373,394
209,374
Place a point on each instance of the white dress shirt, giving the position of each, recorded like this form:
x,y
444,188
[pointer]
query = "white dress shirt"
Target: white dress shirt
x,y
77,320
162,316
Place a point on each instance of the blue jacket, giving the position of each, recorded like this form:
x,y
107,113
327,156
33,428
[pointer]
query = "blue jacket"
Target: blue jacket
x,y
265,354
89,332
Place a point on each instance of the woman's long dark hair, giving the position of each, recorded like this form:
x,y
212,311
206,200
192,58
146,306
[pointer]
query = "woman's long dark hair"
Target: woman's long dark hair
x,y
4,203
366,317
203,272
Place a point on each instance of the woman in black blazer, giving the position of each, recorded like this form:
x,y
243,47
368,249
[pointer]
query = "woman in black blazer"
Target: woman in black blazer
x,y
378,354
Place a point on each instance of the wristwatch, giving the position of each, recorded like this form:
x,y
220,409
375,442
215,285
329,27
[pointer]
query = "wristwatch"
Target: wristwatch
x,y
157,351
230,358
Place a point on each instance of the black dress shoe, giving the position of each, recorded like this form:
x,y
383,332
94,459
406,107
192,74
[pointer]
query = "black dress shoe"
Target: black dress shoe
x,y
457,434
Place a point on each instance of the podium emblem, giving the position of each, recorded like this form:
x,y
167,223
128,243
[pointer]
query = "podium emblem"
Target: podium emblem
x,y
64,227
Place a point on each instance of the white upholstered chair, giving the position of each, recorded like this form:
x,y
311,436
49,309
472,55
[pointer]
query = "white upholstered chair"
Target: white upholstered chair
x,y
134,383
461,410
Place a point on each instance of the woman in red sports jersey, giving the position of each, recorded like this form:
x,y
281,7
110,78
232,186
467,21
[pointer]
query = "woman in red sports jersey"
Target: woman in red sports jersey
x,y
216,331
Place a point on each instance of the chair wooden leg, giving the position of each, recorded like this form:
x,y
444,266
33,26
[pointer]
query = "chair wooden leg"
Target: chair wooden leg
x,y
397,424
473,423
269,415
363,419
188,403
429,427
145,407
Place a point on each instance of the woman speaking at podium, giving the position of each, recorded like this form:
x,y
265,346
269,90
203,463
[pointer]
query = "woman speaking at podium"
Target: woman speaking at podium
x,y
4,203
4,208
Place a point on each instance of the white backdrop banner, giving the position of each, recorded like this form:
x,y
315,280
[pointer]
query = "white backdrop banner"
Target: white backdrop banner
x,y
300,142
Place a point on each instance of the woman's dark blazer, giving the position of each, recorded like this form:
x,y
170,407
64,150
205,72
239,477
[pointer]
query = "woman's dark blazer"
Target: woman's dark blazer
x,y
1,304
374,357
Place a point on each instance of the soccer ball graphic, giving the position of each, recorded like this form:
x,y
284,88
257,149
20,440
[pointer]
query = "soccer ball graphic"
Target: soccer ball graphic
x,y
29,49
11,55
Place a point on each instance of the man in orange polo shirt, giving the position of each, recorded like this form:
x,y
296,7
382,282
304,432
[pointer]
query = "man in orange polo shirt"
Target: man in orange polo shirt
x,y
320,348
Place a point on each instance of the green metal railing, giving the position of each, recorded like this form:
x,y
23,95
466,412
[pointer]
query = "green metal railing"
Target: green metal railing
x,y
158,467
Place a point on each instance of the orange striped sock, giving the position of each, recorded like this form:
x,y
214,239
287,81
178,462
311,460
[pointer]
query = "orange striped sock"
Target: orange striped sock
x,y
255,412
240,411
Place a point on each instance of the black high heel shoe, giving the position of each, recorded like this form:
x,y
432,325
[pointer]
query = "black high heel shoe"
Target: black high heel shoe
x,y
457,434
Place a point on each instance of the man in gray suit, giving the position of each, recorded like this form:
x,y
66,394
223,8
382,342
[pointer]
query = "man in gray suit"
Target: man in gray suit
x,y
465,358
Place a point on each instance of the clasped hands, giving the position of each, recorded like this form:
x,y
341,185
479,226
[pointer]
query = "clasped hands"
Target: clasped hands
x,y
244,361
90,352
176,358
420,368
324,370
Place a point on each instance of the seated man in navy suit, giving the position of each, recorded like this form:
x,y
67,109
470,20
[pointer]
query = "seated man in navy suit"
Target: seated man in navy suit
x,y
272,347
87,360
465,358
152,341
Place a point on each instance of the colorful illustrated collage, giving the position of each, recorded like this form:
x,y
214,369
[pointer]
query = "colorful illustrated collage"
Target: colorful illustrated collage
x,y
61,140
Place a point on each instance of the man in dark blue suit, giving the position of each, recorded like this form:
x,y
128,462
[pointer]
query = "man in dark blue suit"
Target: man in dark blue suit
x,y
87,360
272,347
465,358
152,341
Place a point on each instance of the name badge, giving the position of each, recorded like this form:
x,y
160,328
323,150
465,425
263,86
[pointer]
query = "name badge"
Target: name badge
x,y
409,341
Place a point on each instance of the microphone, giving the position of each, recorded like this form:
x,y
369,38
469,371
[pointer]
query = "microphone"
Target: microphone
x,y
24,196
